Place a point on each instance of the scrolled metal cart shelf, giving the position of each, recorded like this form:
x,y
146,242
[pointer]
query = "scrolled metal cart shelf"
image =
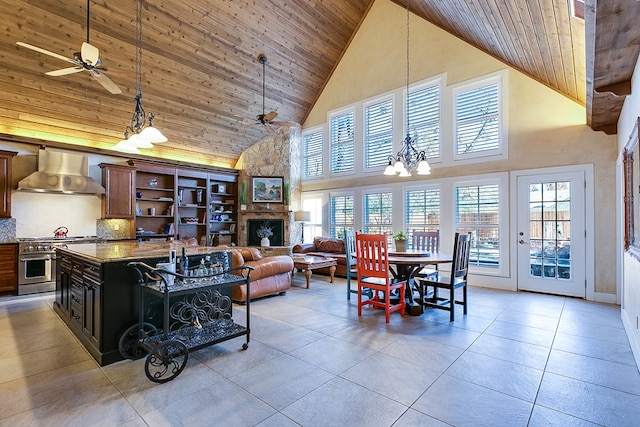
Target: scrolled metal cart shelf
x,y
200,318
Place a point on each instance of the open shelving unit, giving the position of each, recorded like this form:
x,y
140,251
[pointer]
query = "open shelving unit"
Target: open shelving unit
x,y
185,203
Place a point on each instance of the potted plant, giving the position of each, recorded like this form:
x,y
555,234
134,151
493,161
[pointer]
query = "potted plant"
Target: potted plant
x,y
400,239
243,195
264,232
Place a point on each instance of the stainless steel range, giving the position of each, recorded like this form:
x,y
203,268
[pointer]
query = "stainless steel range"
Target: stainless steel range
x,y
37,262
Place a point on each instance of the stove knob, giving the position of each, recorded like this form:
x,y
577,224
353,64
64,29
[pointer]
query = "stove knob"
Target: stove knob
x,y
30,248
39,248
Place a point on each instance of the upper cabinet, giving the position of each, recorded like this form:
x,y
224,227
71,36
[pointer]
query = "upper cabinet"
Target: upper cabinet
x,y
5,183
118,182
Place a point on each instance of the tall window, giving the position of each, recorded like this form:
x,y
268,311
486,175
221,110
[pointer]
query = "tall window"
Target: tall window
x,y
424,119
342,142
312,154
477,211
378,213
341,215
477,120
378,130
422,210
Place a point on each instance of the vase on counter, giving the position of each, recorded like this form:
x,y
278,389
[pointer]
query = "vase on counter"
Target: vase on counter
x,y
265,241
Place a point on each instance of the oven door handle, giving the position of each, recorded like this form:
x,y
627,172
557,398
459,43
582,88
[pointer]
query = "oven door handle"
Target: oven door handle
x,y
36,258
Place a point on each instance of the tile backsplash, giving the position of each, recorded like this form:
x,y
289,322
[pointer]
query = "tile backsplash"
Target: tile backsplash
x,y
7,229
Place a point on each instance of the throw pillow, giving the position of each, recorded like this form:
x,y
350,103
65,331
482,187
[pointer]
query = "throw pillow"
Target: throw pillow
x,y
251,254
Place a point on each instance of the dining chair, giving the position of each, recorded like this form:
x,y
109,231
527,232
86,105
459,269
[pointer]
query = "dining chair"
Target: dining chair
x,y
427,241
350,251
372,266
457,279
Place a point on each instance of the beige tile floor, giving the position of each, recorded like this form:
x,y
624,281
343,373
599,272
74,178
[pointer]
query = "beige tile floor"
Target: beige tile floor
x,y
517,359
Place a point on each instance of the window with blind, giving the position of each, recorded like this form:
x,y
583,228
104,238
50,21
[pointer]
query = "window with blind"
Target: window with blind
x,y
477,211
422,210
378,130
341,215
342,142
312,143
424,119
378,213
478,120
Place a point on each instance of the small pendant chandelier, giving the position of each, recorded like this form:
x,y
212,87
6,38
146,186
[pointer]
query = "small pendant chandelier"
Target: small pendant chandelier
x,y
408,159
139,134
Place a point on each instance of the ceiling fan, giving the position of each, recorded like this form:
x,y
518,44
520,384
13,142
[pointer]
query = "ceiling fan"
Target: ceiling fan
x,y
88,59
267,119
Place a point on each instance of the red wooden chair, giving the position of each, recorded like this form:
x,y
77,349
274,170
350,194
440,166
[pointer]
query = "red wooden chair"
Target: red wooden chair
x,y
372,265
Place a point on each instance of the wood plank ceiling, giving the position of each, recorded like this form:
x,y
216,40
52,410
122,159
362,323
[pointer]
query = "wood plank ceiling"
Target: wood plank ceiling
x,y
202,78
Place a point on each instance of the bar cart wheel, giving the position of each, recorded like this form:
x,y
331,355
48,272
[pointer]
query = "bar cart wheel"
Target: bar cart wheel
x,y
245,346
166,361
129,344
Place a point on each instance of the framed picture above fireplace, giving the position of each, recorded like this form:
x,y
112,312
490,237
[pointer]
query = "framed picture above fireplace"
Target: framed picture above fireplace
x,y
267,189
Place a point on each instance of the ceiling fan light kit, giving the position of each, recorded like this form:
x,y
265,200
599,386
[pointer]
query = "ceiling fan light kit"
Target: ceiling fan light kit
x,y
140,133
408,159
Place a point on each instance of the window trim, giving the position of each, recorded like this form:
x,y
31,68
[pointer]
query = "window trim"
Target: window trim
x,y
347,110
303,157
502,181
365,105
423,84
500,153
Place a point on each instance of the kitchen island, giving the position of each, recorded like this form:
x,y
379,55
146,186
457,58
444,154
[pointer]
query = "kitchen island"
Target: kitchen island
x,y
97,294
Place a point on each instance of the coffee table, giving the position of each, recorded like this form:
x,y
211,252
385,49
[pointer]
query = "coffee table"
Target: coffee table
x,y
309,263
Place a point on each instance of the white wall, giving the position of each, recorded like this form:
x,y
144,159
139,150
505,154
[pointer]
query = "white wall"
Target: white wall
x,y
545,128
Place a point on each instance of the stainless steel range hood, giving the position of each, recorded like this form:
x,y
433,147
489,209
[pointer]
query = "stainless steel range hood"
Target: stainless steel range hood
x,y
60,172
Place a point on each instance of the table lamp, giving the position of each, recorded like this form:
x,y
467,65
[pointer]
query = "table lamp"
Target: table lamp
x,y
302,217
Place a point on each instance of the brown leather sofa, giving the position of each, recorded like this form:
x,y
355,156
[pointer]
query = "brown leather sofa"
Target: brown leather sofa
x,y
326,247
271,275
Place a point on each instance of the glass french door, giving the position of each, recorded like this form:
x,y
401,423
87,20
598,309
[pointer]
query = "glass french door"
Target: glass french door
x,y
551,233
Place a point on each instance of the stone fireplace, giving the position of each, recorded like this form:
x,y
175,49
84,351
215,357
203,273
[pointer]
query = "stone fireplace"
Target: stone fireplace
x,y
276,226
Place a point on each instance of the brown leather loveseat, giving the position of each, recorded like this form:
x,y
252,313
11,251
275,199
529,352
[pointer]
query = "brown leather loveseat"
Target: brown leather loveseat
x,y
271,275
326,247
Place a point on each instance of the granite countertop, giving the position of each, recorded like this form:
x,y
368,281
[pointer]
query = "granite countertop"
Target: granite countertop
x,y
8,241
131,250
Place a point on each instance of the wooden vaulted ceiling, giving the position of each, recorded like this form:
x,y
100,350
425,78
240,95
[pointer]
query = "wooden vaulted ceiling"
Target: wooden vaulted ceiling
x,y
202,79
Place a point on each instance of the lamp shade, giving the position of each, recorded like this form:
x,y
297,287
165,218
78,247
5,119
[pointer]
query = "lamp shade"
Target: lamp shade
x,y
302,216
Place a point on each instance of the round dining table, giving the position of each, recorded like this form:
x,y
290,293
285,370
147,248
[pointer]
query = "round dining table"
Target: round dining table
x,y
407,265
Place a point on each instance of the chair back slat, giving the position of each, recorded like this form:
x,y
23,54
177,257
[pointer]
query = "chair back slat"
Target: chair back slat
x,y
350,247
371,255
461,252
425,241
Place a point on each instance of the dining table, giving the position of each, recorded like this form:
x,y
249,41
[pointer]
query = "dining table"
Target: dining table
x,y
407,264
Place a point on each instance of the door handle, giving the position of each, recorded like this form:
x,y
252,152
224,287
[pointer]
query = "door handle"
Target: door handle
x,y
521,241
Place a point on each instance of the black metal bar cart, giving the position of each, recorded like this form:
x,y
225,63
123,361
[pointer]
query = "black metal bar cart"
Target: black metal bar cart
x,y
195,315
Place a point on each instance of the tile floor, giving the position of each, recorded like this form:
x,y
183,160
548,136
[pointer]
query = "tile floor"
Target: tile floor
x,y
517,359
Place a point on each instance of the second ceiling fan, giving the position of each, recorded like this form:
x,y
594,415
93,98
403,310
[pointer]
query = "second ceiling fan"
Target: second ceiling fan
x,y
267,119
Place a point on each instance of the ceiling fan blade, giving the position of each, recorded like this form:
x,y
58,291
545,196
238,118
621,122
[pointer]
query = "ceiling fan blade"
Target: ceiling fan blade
x,y
270,116
46,52
89,54
289,124
64,71
106,82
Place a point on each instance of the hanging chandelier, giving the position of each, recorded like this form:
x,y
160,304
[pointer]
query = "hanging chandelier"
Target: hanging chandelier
x,y
140,133
408,159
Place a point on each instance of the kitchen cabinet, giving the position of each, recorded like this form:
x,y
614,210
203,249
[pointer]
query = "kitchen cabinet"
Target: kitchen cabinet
x,y
223,209
192,211
79,298
9,267
5,183
118,200
155,193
